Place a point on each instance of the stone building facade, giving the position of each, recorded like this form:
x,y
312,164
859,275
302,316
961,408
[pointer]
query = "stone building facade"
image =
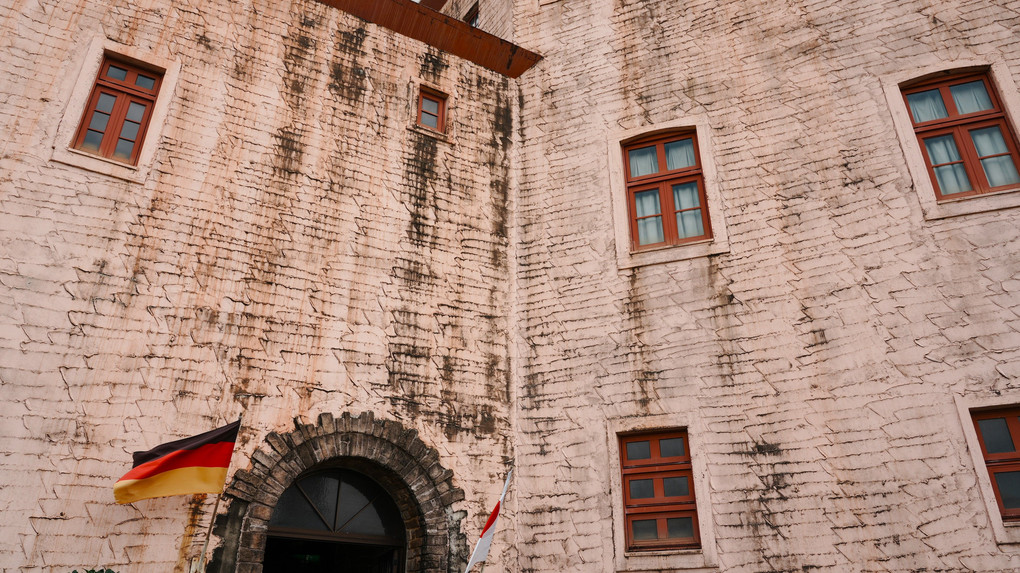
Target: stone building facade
x,y
289,244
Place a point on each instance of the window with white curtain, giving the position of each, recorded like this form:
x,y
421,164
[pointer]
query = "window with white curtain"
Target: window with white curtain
x,y
665,190
967,142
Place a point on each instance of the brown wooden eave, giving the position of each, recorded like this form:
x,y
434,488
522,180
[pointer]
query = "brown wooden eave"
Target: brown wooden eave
x,y
443,32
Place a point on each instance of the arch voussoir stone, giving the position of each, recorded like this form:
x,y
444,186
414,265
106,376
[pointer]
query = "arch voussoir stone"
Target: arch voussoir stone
x,y
393,455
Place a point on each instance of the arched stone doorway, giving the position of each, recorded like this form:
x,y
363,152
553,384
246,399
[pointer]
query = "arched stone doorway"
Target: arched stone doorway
x,y
383,451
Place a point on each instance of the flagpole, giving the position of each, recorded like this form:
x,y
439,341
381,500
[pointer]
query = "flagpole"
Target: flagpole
x,y
208,534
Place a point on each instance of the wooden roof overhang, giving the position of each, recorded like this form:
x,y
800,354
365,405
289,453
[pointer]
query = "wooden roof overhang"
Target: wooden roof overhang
x,y
422,23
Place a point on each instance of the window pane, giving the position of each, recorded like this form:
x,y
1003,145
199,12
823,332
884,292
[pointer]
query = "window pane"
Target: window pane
x,y
685,195
293,510
952,179
688,224
675,486
638,450
135,112
671,447
647,202
927,106
680,527
988,141
680,154
92,140
942,149
430,120
644,529
322,489
124,148
995,433
1009,489
650,231
105,103
971,97
642,489
643,161
130,130
429,105
99,120
1000,170
117,73
145,82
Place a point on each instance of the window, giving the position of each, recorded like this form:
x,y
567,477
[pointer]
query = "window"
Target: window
x,y
432,110
472,16
967,144
998,433
658,491
118,111
665,191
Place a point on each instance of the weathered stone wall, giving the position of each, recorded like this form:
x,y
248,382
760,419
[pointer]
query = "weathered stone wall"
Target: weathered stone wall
x,y
817,363
297,248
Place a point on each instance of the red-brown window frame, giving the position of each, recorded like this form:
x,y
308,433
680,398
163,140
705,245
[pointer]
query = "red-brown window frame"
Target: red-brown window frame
x,y
663,181
659,507
125,91
959,125
472,16
436,96
1001,462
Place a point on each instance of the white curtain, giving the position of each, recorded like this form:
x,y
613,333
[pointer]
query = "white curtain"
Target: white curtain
x,y
926,106
950,178
688,223
680,154
643,161
971,97
999,170
650,229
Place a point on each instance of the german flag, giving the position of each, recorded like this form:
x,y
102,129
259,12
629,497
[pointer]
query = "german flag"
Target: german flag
x,y
193,465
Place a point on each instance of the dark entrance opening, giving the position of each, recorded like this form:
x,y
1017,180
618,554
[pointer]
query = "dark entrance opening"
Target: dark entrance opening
x,y
335,520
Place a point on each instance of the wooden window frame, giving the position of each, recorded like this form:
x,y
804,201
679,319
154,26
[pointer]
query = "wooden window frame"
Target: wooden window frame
x,y
438,97
1001,462
659,507
472,16
125,93
958,125
663,180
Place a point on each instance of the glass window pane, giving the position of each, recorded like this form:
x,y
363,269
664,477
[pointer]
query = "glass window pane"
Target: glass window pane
x,y
322,489
105,103
644,530
430,120
1009,489
671,447
942,149
429,105
124,148
680,154
675,486
293,510
92,140
638,450
647,202
130,130
135,112
989,141
927,106
643,161
642,489
995,433
688,224
145,82
117,73
99,120
685,195
952,179
971,97
650,231
680,527
1000,170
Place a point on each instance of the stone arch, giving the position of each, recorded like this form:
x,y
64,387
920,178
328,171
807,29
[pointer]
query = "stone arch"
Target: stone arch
x,y
389,453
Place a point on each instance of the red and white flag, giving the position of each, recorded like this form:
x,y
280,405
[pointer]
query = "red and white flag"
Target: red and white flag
x,y
482,549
